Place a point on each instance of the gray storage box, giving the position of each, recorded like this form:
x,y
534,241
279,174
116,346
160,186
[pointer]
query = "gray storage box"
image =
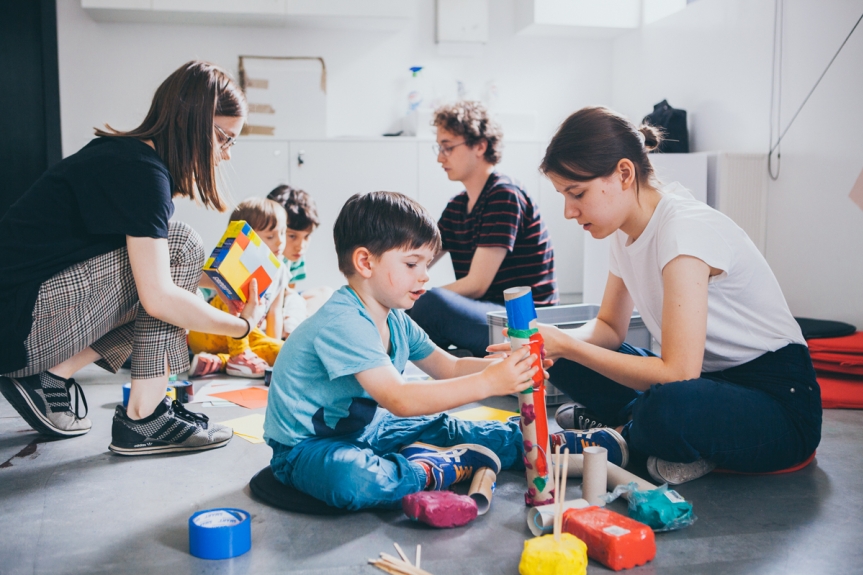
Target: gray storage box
x,y
567,317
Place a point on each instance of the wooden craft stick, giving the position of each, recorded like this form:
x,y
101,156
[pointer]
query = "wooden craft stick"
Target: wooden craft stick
x,y
419,553
401,553
563,488
397,563
556,495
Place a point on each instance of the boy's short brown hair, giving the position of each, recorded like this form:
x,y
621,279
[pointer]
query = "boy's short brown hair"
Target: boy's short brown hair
x,y
299,205
380,222
260,213
472,121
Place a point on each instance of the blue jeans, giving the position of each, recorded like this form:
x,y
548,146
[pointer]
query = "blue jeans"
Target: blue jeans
x,y
452,319
364,469
764,415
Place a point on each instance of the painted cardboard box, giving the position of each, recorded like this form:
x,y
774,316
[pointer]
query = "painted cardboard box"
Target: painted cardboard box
x,y
239,257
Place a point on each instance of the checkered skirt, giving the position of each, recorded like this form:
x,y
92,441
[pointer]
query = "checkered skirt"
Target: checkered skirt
x,y
94,304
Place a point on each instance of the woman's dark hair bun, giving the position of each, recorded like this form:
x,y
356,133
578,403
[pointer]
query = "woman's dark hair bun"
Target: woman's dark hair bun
x,y
652,136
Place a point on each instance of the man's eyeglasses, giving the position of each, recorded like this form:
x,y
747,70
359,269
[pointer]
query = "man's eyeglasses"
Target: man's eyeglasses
x,y
445,150
229,141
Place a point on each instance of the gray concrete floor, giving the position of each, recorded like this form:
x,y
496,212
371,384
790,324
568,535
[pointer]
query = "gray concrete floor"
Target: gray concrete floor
x,y
71,506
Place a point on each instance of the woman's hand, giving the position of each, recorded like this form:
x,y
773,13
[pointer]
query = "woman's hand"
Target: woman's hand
x,y
554,341
253,310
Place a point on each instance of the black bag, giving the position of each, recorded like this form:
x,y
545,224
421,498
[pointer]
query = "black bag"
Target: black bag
x,y
672,122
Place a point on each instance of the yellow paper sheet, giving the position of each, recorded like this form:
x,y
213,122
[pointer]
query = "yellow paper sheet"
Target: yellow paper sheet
x,y
249,427
484,413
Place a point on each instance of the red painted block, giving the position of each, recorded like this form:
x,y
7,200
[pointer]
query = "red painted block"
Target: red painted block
x,y
614,540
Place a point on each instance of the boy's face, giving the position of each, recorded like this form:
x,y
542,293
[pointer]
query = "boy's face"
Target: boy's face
x,y
398,277
274,238
296,244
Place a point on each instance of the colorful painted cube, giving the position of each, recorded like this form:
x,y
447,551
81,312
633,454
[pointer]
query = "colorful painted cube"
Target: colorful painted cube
x,y
239,257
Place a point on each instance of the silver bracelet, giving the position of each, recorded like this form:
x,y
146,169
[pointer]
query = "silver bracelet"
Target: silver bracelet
x,y
248,328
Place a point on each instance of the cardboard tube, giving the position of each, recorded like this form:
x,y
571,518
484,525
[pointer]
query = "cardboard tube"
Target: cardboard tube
x,y
616,475
482,488
595,475
540,520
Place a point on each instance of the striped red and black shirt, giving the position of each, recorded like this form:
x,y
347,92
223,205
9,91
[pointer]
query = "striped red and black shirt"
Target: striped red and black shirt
x,y
504,216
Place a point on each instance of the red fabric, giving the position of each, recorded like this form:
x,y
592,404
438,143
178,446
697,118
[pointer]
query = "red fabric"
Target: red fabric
x,y
791,469
848,344
839,392
828,368
855,359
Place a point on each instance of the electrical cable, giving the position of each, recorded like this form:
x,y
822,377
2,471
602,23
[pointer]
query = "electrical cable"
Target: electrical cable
x,y
806,99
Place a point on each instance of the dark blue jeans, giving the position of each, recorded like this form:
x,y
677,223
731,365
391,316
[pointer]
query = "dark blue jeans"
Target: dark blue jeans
x,y
452,319
764,415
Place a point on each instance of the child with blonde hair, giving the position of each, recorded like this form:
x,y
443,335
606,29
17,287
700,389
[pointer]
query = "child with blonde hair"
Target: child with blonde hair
x,y
249,356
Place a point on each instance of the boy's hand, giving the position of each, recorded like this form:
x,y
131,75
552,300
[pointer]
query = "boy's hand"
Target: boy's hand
x,y
253,310
511,375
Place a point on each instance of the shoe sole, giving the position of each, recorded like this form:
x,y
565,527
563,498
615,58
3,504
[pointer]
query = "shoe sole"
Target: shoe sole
x,y
156,449
18,397
236,373
469,446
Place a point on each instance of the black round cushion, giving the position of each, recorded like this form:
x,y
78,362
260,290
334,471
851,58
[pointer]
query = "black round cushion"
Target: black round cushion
x,y
814,328
271,491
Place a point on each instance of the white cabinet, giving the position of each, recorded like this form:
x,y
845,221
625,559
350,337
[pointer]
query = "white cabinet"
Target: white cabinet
x,y
256,167
333,171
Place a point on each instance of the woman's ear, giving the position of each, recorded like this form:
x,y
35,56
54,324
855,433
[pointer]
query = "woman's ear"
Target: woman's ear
x,y
362,260
626,170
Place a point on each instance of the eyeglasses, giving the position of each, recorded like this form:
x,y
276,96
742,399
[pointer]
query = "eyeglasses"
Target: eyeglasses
x,y
229,140
445,150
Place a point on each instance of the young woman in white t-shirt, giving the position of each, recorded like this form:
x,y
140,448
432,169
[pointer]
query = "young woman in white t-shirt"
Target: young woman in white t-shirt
x,y
734,386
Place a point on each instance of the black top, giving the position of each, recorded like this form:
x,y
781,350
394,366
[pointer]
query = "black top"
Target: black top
x,y
82,207
504,216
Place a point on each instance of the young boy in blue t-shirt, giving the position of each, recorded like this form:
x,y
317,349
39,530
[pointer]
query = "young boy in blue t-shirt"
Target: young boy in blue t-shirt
x,y
328,436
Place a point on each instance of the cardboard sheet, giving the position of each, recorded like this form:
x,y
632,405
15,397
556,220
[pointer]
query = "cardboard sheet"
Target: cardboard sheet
x,y
249,427
251,397
484,413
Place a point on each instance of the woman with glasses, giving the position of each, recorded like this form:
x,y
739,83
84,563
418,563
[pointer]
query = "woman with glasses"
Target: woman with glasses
x,y
492,230
93,270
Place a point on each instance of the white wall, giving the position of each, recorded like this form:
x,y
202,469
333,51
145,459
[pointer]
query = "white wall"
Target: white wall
x,y
109,71
714,60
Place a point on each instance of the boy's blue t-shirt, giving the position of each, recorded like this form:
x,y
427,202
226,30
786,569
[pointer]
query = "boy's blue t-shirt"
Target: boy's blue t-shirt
x,y
314,392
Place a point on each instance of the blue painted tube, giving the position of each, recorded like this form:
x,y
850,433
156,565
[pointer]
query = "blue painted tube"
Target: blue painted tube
x,y
220,533
520,310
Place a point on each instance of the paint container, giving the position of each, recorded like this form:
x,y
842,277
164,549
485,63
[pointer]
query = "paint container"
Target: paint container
x,y
540,520
482,489
184,391
268,376
595,478
170,391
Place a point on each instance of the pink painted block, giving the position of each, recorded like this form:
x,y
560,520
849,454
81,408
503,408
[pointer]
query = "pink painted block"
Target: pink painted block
x,y
442,509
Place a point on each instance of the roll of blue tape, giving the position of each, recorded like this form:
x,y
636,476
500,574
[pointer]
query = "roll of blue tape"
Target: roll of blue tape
x,y
220,533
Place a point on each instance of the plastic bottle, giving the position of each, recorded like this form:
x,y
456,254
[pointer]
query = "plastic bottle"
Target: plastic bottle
x,y
414,102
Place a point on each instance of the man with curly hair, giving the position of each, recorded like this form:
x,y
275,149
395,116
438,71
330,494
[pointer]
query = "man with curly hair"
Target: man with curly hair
x,y
492,230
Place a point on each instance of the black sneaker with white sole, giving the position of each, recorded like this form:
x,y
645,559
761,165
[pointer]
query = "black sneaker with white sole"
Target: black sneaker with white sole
x,y
576,416
171,428
44,401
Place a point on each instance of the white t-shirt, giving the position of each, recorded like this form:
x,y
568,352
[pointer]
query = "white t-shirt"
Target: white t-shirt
x,y
747,315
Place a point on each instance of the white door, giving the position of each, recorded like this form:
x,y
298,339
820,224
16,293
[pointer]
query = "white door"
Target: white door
x,y
256,167
333,171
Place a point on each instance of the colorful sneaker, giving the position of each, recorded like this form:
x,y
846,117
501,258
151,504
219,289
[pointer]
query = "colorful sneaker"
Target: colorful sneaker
x,y
576,441
205,364
676,473
170,428
575,416
247,364
45,402
451,464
